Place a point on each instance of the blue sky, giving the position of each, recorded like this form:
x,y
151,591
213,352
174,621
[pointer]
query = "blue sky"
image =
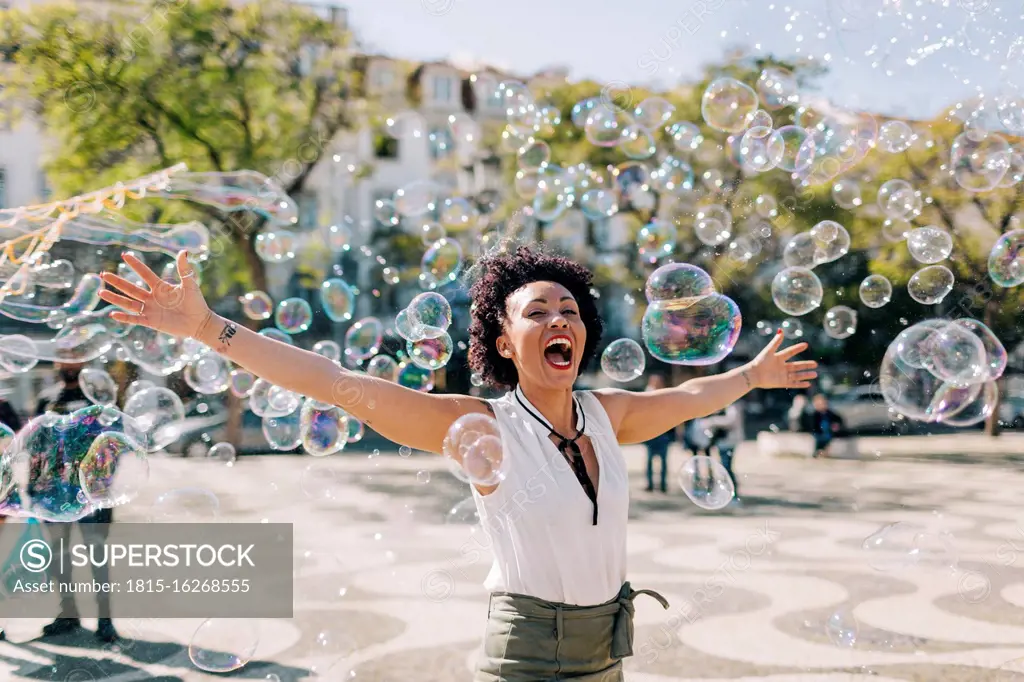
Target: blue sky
x,y
901,57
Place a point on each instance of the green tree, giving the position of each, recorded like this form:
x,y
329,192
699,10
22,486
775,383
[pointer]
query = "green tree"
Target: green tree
x,y
123,91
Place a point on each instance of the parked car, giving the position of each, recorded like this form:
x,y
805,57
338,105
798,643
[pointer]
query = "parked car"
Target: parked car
x,y
1011,412
864,410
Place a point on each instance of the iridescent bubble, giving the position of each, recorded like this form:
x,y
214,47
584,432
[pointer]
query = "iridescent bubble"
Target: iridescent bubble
x,y
895,229
429,315
777,89
113,471
136,386
552,198
930,285
222,452
761,153
415,377
899,200
276,246
766,206
797,291
604,125
277,335
792,328
686,137
760,123
599,203
385,213
1006,259
875,291
221,645
847,194
339,236
431,353
474,440
799,149
382,367
623,360
208,374
441,263
840,322
283,433
929,244
656,240
256,305
327,348
979,160
691,331
534,155
995,352
842,628
831,241
955,355
431,232
293,315
653,112
979,409
678,281
637,142
356,430
457,214
338,300
800,251
895,137
323,428
706,482
98,386
416,198
674,176
362,340
713,224
727,105
240,383
158,412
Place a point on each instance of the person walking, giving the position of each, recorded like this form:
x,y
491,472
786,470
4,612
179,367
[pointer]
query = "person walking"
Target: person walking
x,y
726,434
561,606
657,447
66,398
825,424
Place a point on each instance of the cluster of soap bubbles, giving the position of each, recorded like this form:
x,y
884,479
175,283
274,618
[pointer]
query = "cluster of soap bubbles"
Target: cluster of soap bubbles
x,y
424,326
943,371
687,322
474,442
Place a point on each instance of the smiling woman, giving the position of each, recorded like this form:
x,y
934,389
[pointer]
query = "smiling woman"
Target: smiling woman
x,y
561,607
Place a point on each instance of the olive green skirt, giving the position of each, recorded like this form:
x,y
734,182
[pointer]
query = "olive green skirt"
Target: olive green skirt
x,y
530,639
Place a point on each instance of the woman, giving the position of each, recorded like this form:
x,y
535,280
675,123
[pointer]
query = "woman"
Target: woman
x,y
560,605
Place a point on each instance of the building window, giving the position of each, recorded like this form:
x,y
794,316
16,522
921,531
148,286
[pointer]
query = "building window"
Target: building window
x,y
308,211
384,146
441,143
490,96
442,88
3,188
384,78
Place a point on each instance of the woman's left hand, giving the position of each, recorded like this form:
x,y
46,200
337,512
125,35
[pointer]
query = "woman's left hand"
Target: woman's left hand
x,y
772,368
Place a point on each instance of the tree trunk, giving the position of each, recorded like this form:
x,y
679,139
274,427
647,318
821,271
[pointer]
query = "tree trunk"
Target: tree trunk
x,y
257,268
992,422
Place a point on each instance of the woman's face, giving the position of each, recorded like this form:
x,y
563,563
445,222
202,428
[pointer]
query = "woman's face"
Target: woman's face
x,y
543,335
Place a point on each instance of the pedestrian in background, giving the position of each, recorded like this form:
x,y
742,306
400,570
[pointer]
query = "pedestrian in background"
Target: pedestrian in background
x,y
657,447
726,434
825,425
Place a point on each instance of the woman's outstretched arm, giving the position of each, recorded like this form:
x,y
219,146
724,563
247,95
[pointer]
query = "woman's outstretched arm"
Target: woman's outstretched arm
x,y
638,417
418,420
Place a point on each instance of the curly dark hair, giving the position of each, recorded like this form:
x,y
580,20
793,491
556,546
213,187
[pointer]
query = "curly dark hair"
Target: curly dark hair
x,y
501,274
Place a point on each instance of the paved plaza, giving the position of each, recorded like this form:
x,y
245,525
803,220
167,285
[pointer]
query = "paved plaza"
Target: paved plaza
x,y
388,580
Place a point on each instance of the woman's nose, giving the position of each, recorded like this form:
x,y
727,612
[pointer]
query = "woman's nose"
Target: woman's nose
x,y
558,321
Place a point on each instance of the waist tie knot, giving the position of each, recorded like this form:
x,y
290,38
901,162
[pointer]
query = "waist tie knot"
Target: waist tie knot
x,y
622,634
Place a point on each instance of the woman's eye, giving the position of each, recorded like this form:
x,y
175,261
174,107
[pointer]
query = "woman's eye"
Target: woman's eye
x,y
535,313
568,312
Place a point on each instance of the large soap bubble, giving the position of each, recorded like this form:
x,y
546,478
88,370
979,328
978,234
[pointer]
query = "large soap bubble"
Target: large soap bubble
x,y
699,331
930,285
728,104
158,412
623,360
875,291
676,281
797,291
1006,259
475,441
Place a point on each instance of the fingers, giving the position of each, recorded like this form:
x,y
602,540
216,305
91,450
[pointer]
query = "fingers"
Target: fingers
x,y
129,304
793,350
804,376
774,344
118,282
802,384
802,365
125,318
185,268
142,270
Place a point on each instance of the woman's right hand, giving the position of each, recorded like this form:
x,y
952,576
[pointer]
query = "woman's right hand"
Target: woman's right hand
x,y
179,310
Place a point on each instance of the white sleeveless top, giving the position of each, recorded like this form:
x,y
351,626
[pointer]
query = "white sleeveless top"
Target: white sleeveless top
x,y
539,520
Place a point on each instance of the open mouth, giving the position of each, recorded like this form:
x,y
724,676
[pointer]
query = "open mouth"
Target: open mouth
x,y
558,352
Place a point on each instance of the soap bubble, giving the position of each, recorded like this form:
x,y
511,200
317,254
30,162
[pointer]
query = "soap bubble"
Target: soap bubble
x,y
637,142
728,104
277,335
800,251
686,137
415,377
208,374
432,232
995,352
623,360
875,291
899,200
293,315
113,470
977,410
840,322
930,285
792,328
956,355
416,198
430,315
475,440
831,241
222,452
186,505
798,149
327,348
240,383
653,112
339,236
363,339
98,386
847,194
382,367
691,331
761,152
533,155
979,160
283,433
323,428
158,412
777,89
706,482
256,305
431,353
222,645
441,263
797,291
338,300
276,246
604,125
929,244
895,136
656,240
1006,259
713,224
842,628
678,281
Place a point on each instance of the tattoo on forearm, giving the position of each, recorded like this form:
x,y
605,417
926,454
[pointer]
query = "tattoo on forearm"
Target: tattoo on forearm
x,y
226,333
746,378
